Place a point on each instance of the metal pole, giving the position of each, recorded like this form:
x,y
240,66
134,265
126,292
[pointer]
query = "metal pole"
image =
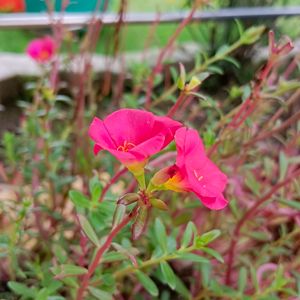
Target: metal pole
x,y
42,20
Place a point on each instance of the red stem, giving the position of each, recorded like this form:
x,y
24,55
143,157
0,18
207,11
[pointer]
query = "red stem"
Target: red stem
x,y
176,105
283,126
111,182
162,55
250,213
85,281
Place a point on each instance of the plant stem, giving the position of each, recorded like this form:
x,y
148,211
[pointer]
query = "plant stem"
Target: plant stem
x,y
163,53
249,214
150,262
111,182
101,251
199,69
176,105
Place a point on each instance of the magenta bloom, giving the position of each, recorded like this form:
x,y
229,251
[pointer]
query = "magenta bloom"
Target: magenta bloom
x,y
41,50
132,135
193,171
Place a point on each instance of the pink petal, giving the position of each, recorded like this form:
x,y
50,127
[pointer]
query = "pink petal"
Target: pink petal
x,y
130,125
100,135
215,203
170,125
149,147
189,146
205,178
96,149
125,157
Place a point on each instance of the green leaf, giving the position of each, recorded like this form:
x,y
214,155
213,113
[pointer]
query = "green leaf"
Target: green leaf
x,y
9,143
215,69
79,200
147,283
232,61
189,232
291,203
118,215
283,165
239,26
64,98
209,138
198,95
112,256
99,294
254,277
182,77
157,203
95,187
205,270
193,257
252,34
88,230
213,253
168,274
42,294
207,238
242,282
160,233
181,288
174,73
252,183
222,50
22,289
68,270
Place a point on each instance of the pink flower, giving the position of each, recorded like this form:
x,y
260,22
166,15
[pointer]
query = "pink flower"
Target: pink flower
x,y
132,136
193,171
41,50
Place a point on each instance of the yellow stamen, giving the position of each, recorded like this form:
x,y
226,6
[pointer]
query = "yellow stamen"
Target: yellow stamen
x,y
126,146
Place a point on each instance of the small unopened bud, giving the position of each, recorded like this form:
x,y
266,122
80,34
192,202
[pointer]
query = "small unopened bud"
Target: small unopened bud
x,y
129,198
157,203
252,34
192,84
182,77
161,177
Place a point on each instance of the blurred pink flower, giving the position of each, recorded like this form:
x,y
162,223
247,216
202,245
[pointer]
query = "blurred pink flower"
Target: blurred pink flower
x,y
42,49
132,135
193,171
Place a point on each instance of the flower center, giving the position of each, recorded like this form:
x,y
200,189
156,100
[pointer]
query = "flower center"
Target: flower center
x,y
126,146
44,54
198,176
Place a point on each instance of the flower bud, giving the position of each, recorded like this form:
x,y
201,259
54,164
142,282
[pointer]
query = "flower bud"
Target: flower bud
x,y
161,177
182,77
192,84
252,34
157,203
129,198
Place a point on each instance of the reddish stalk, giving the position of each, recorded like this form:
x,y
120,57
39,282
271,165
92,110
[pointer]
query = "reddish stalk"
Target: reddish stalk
x,y
101,251
37,213
281,110
176,105
119,87
162,54
249,214
248,107
149,39
284,125
111,182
